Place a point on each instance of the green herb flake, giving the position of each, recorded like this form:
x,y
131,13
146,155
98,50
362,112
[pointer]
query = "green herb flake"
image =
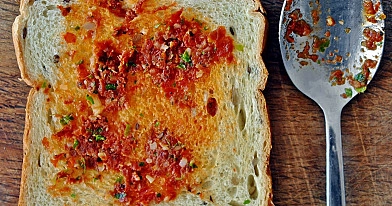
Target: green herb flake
x,y
127,130
141,164
348,92
157,26
77,28
44,85
99,137
120,180
159,195
205,28
120,196
181,66
192,164
90,99
186,57
73,195
246,202
111,86
360,77
239,47
361,89
324,45
66,119
80,62
141,114
157,124
75,143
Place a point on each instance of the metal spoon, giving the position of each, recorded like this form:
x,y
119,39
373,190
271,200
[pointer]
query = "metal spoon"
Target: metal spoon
x,y
331,49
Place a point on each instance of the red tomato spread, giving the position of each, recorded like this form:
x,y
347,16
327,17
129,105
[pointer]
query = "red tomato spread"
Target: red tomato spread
x,y
297,26
119,61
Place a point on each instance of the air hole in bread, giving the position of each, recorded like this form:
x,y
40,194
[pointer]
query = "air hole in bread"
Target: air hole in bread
x,y
235,98
39,160
234,203
45,13
252,187
51,7
232,32
44,68
255,163
232,191
241,119
207,185
24,33
235,180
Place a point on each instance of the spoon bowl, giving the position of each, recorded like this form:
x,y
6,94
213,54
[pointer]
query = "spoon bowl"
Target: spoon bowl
x,y
331,49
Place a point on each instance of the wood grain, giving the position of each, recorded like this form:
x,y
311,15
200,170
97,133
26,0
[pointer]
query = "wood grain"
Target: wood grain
x,y
297,123
298,154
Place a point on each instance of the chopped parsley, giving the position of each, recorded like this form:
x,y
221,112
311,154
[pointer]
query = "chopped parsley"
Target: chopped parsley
x,y
181,66
239,47
80,62
75,143
324,45
360,77
111,86
120,196
73,195
77,28
192,164
246,202
186,57
157,124
120,180
127,130
348,92
361,89
44,85
99,137
141,164
90,99
66,119
159,195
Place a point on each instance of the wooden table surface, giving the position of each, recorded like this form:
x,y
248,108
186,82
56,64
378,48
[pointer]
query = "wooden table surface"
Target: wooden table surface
x,y
298,135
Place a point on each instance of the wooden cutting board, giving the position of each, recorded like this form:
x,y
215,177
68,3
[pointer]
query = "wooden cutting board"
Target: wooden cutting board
x,y
298,154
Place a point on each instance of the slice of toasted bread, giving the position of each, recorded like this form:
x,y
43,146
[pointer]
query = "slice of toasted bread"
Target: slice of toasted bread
x,y
200,138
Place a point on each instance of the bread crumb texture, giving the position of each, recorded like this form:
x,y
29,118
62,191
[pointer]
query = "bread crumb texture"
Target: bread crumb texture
x,y
144,102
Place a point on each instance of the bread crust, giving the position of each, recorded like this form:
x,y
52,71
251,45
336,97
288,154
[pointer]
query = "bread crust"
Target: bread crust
x,y
26,148
17,34
17,37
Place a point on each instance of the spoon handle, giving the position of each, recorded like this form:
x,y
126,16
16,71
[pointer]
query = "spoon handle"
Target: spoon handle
x,y
334,165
